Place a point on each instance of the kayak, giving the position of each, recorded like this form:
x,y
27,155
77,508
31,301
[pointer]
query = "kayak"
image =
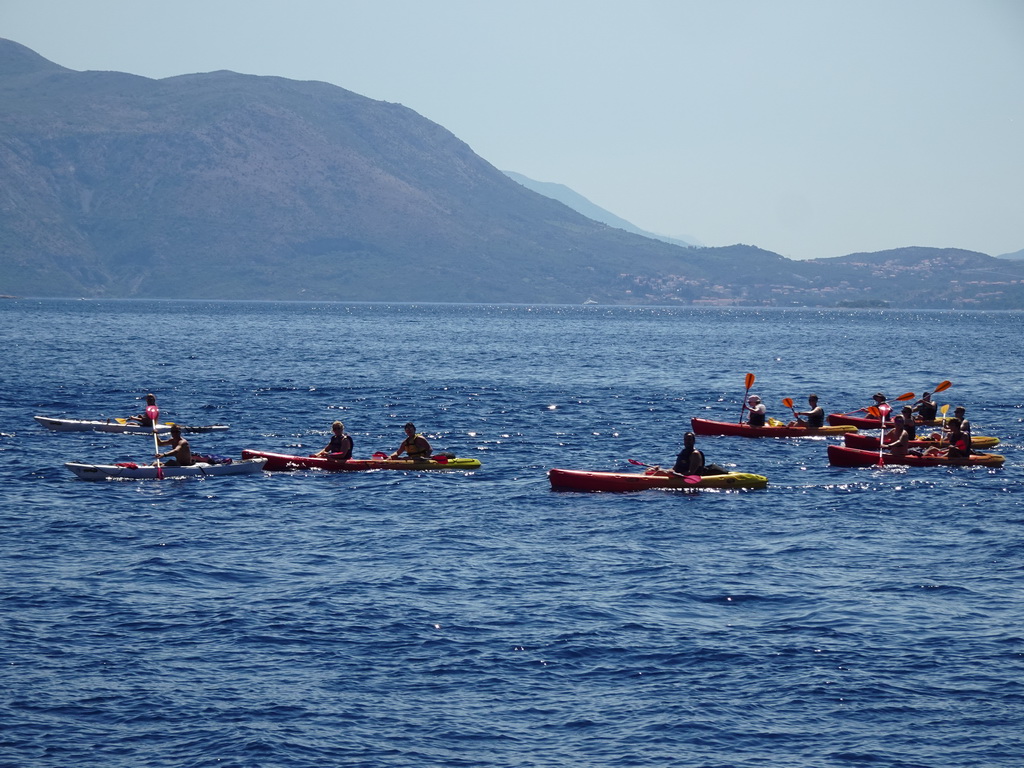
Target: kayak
x,y
841,456
116,425
130,471
279,462
708,427
870,422
870,442
618,482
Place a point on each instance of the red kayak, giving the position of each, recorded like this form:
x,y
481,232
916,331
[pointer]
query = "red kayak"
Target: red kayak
x,y
708,427
870,422
619,482
870,442
842,456
279,462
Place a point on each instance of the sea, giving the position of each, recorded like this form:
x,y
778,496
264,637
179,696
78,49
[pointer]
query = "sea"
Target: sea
x,y
839,617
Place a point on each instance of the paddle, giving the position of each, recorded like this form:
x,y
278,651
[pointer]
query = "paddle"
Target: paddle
x,y
749,381
881,411
900,399
153,413
379,455
788,402
942,419
688,479
942,386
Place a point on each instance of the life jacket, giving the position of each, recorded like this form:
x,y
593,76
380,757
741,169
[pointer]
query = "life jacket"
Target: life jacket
x,y
816,419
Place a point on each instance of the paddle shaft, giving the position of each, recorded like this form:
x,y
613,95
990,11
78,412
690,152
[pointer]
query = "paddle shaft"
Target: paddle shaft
x,y
154,413
749,381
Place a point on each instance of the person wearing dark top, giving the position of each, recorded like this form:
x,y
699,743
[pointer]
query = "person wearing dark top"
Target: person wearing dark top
x,y
690,461
340,447
815,416
142,419
959,447
908,422
758,412
960,416
926,408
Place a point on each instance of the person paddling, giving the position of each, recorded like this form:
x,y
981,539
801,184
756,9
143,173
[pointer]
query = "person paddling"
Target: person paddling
x,y
964,424
758,411
926,408
340,446
415,446
181,454
959,448
909,423
897,441
815,415
880,403
143,419
690,461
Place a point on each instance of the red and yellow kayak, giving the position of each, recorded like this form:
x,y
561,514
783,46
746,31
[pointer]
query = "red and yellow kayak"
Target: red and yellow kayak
x,y
708,427
870,442
620,482
842,456
280,462
870,422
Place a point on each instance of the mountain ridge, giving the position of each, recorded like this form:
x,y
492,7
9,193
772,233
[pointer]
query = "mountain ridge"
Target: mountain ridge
x,y
230,186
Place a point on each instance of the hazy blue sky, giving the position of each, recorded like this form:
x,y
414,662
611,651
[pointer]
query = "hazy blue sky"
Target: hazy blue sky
x,y
807,127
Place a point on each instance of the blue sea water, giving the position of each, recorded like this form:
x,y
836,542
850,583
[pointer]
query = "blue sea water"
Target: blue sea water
x,y
841,617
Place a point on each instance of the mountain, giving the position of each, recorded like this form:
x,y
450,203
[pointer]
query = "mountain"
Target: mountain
x,y
580,204
230,186
223,185
1015,255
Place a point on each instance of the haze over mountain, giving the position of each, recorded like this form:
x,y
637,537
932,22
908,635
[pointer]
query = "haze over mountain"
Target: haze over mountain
x,y
580,204
230,186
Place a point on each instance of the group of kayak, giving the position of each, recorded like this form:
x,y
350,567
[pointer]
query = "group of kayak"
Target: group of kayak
x,y
921,434
180,461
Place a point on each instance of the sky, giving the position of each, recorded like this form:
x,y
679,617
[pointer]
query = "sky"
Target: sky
x,y
811,128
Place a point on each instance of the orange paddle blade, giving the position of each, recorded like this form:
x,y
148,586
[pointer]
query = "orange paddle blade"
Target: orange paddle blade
x,y
943,386
872,410
905,396
788,402
749,380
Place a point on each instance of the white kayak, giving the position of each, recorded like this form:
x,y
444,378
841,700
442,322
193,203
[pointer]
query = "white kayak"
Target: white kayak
x,y
130,471
116,425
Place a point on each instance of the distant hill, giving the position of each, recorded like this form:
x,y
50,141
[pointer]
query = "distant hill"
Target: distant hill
x,y
1015,255
580,204
229,186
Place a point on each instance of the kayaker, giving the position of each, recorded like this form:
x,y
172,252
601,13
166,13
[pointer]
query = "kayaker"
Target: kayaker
x,y
880,403
960,416
141,418
340,447
908,422
926,408
897,441
959,447
815,416
758,411
690,460
181,454
415,446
